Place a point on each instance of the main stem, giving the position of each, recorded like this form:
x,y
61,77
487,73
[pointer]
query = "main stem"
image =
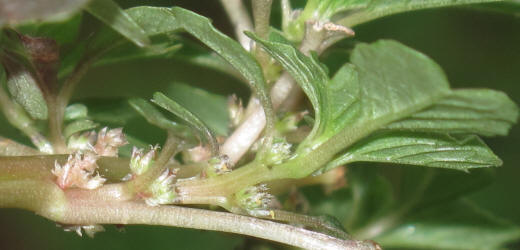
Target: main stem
x,y
83,212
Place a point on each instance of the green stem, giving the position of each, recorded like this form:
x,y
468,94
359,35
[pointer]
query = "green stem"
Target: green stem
x,y
55,115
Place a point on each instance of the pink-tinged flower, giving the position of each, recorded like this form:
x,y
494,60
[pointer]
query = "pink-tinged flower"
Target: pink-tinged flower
x,y
78,172
109,141
140,161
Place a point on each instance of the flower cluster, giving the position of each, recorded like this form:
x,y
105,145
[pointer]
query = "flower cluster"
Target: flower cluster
x,y
162,190
140,161
78,171
254,198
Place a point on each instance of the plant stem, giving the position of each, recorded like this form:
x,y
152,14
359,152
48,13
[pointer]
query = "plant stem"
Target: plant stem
x,y
56,113
85,212
240,20
261,15
11,148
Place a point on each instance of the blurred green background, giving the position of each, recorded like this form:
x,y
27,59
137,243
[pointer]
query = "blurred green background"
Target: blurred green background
x,y
475,47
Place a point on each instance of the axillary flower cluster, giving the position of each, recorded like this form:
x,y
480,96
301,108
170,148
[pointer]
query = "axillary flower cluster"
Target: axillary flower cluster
x,y
80,169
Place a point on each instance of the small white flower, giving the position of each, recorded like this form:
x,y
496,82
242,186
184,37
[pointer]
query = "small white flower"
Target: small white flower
x,y
254,198
279,151
218,165
141,162
162,190
109,141
78,172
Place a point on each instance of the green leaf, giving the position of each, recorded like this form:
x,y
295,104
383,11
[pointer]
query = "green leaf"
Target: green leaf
x,y
110,13
22,11
319,10
75,111
307,72
26,92
335,101
78,126
232,52
480,111
205,133
421,149
371,196
155,117
383,197
211,108
63,32
380,8
395,82
457,225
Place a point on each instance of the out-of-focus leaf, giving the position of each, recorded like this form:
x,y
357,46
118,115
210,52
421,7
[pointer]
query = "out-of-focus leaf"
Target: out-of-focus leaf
x,y
480,111
457,225
205,133
380,8
78,126
26,92
421,149
212,109
75,111
20,11
111,14
63,32
371,196
511,7
155,117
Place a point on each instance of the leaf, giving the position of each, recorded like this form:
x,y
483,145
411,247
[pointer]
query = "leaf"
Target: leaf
x,y
232,52
322,11
371,196
26,92
111,14
394,82
21,11
211,108
480,111
75,111
175,108
331,100
380,8
63,32
155,117
78,126
421,149
457,225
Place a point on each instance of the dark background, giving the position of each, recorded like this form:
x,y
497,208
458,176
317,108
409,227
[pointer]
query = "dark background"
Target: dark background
x,y
475,47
